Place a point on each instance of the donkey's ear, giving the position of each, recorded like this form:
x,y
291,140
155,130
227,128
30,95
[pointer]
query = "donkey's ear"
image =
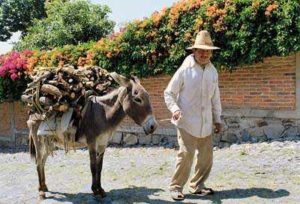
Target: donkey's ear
x,y
135,79
121,80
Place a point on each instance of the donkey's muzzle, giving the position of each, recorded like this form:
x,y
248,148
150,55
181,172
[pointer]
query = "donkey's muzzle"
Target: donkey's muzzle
x,y
150,125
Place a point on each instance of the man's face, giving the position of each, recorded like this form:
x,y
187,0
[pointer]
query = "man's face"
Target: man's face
x,y
202,57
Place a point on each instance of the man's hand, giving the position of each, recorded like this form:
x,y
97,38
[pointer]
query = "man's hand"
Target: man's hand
x,y
177,115
218,127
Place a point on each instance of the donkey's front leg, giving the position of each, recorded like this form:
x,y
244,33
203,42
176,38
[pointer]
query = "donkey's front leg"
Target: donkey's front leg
x,y
96,162
41,174
100,164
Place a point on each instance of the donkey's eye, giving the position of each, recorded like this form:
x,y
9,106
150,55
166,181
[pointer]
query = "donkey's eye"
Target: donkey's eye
x,y
137,100
135,92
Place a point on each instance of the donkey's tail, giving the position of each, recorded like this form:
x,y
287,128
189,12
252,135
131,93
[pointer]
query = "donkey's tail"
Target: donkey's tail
x,y
32,148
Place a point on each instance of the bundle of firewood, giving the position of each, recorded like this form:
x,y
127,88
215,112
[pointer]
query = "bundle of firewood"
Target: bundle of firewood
x,y
58,89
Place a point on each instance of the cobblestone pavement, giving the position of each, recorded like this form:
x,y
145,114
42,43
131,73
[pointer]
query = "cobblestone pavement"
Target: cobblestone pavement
x,y
246,173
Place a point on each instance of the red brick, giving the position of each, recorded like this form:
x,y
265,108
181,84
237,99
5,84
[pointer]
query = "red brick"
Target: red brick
x,y
5,122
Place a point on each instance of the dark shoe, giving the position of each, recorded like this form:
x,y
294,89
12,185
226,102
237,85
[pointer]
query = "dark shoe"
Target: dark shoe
x,y
176,195
204,191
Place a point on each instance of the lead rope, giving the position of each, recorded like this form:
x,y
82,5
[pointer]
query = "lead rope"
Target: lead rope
x,y
163,120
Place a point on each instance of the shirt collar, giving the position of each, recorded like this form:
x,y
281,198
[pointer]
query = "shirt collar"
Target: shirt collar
x,y
195,64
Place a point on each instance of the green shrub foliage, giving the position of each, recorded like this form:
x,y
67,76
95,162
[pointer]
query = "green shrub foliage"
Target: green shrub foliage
x,y
67,22
246,31
17,15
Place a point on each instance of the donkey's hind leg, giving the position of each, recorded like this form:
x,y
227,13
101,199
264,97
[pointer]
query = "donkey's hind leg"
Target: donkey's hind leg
x,y
41,158
41,153
96,162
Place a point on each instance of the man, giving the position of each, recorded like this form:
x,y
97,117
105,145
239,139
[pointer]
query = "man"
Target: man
x,y
193,97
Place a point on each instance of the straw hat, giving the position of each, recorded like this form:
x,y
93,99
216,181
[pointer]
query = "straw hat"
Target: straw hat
x,y
203,41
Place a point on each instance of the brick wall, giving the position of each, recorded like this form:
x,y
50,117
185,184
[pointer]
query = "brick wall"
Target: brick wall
x,y
5,122
156,86
20,116
14,117
270,85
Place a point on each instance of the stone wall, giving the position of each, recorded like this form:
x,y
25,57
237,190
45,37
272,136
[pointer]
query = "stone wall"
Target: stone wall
x,y
236,130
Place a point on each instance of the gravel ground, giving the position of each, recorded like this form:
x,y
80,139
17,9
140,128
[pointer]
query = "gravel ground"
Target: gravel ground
x,y
246,173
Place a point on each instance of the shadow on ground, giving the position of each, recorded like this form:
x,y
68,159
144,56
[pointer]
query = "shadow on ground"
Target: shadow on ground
x,y
242,193
152,195
126,195
13,149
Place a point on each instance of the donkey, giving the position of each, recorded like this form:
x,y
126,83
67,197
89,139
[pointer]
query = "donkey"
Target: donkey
x,y
101,116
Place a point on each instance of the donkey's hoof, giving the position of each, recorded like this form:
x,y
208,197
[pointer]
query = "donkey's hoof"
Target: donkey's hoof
x,y
43,188
100,192
42,195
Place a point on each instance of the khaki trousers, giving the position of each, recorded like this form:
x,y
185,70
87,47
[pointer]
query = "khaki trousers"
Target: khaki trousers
x,y
188,145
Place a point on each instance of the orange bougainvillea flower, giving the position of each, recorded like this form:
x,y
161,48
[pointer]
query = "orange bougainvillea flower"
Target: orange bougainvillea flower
x,y
194,4
81,61
211,11
89,57
61,63
176,9
156,17
270,8
109,55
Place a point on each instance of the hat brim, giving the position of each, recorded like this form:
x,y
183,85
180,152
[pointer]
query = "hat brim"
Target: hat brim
x,y
203,47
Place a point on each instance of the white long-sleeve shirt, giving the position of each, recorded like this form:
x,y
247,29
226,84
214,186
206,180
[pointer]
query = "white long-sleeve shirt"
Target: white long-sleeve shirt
x,y
195,92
